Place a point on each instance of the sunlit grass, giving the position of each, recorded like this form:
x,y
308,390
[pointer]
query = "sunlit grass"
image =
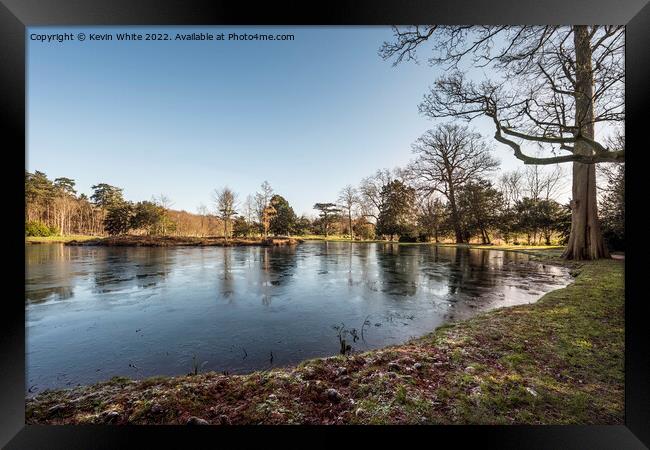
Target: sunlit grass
x,y
505,247
54,239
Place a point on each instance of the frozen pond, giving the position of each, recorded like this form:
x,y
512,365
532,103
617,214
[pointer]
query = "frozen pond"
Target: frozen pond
x,y
97,312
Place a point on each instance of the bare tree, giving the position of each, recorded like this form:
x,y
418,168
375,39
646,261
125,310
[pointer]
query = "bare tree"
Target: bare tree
x,y
263,206
511,185
610,172
225,204
431,215
249,211
370,199
543,184
448,157
165,203
556,84
202,211
349,199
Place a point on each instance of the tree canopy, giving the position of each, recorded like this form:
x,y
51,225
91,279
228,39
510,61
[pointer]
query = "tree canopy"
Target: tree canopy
x,y
283,221
397,216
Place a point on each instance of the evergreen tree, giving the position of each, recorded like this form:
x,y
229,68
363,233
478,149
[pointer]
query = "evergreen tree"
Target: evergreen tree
x,y
105,195
148,216
284,219
479,204
612,209
397,216
118,218
328,214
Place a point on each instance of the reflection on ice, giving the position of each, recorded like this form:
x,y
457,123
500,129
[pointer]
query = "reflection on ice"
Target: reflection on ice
x,y
95,312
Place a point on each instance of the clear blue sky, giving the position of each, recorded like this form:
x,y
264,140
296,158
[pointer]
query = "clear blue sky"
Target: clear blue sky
x,y
183,118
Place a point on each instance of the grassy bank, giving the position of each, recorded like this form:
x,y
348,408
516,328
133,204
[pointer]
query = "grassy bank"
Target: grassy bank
x,y
57,239
132,240
550,253
557,361
320,237
172,241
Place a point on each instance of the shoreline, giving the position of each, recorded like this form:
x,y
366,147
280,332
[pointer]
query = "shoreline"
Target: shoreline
x,y
424,380
181,241
196,241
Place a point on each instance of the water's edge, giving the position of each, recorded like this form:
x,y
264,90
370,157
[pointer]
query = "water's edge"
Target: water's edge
x,y
535,257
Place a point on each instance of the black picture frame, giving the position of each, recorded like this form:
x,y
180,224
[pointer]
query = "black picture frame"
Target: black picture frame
x,y
16,15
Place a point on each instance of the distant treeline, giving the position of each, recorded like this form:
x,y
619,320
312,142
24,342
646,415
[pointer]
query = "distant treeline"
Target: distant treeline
x,y
53,207
412,204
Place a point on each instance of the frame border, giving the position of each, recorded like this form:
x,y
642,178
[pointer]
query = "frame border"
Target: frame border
x,y
17,15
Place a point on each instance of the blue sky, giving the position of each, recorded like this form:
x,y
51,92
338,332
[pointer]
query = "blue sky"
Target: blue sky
x,y
183,118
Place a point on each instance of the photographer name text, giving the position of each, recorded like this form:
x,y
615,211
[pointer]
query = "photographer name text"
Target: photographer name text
x,y
131,36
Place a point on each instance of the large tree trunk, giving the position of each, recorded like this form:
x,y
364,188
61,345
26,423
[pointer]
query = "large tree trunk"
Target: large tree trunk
x,y
454,215
486,236
585,240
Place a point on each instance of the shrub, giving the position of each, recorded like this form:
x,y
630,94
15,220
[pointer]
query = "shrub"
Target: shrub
x,y
36,228
424,237
364,230
408,238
